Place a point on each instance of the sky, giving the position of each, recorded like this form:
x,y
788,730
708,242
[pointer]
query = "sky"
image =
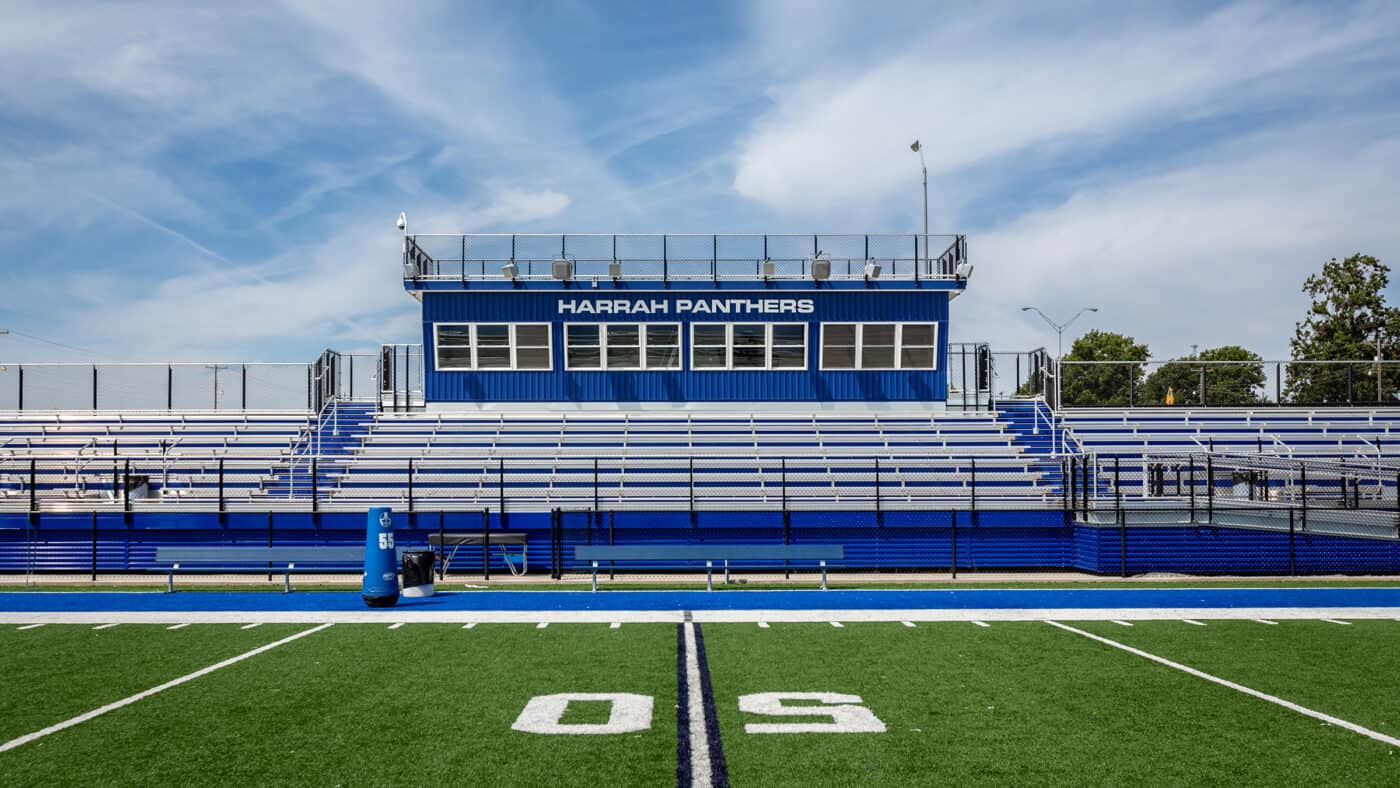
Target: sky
x,y
209,181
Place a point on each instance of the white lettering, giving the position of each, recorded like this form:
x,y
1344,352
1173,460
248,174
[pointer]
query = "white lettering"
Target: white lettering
x,y
684,306
627,713
847,716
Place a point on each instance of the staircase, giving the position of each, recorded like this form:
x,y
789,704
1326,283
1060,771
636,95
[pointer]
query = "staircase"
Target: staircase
x,y
1032,427
340,428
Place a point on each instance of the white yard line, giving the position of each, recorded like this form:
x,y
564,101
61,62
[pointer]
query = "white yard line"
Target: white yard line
x,y
615,625
178,626
838,624
700,767
252,625
1264,621
1317,715
908,623
542,625
108,626
29,626
1335,621
1122,623
469,625
1193,622
980,623
81,718
763,625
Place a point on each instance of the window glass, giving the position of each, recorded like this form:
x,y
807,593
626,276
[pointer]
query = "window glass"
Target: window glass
x,y
789,346
454,357
788,334
492,357
708,347
532,358
839,346
532,336
493,334
789,357
918,334
916,358
581,333
749,357
454,335
877,334
749,334
917,350
663,346
584,357
620,335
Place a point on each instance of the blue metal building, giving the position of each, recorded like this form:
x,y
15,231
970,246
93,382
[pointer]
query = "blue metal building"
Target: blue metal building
x,y
685,321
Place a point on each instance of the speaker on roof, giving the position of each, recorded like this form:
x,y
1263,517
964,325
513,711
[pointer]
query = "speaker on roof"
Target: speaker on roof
x,y
821,267
563,269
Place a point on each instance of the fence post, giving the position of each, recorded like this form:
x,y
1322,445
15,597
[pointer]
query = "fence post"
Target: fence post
x,y
1303,481
501,489
243,384
410,489
1351,381
1191,487
1278,383
1203,385
169,387
1072,489
94,387
1291,567
315,494
1132,384
126,487
1210,489
442,544
879,515
20,393
486,544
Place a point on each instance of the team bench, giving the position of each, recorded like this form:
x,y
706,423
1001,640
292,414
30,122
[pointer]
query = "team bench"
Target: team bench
x,y
709,553
251,556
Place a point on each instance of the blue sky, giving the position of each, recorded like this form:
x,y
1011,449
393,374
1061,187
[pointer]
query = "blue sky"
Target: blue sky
x,y
200,180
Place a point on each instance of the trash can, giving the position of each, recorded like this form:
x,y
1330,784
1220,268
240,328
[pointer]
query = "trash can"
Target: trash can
x,y
418,573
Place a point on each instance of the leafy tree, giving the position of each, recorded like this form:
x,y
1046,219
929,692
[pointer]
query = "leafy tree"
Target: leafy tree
x,y
1101,384
1347,315
1232,384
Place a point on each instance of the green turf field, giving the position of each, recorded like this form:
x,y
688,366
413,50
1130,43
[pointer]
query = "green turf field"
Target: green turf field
x,y
1022,703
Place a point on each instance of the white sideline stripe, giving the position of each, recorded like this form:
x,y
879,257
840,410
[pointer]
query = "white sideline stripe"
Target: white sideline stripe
x,y
1122,623
838,624
615,625
178,626
1335,621
1193,622
108,626
29,626
700,770
396,626
980,623
460,617
1265,621
542,625
97,712
250,626
1317,715
908,623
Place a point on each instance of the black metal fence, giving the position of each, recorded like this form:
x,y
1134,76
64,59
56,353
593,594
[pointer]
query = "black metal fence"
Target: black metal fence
x,y
1191,383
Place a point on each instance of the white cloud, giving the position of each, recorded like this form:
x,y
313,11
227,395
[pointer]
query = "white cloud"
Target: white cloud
x,y
836,140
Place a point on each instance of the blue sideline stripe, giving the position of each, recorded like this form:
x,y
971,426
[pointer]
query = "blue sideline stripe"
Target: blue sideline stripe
x,y
913,599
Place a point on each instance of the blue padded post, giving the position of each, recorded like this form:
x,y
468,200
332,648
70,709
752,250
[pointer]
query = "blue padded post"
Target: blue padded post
x,y
381,583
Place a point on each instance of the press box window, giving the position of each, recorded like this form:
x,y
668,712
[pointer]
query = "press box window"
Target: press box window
x,y
748,346
493,346
879,345
622,346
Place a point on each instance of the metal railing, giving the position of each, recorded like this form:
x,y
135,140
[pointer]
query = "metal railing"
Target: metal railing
x,y
1201,384
680,257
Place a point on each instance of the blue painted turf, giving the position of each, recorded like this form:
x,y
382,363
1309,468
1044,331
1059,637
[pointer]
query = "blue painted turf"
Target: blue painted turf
x,y
927,599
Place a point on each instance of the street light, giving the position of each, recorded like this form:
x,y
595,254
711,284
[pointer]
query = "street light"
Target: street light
x,y
1059,350
1059,327
919,149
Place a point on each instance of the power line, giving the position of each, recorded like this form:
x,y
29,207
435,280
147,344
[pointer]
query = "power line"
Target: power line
x,y
84,351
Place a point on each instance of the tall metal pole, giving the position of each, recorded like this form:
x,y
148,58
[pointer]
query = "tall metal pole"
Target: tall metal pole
x,y
919,149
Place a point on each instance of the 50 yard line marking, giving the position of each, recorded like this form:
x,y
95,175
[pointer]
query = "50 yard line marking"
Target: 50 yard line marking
x,y
1200,674
84,717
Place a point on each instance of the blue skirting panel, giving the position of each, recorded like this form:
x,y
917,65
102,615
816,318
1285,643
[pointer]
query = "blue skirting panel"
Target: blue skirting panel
x,y
113,542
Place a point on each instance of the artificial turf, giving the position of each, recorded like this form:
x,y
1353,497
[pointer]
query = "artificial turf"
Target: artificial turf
x,y
1022,703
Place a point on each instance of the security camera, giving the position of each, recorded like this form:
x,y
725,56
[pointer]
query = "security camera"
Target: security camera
x,y
403,221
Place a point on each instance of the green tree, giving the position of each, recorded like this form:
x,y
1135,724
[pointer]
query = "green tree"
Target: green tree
x,y
1225,384
1347,318
1101,384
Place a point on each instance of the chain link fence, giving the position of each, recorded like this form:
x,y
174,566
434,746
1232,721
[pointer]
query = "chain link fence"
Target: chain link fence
x,y
1192,383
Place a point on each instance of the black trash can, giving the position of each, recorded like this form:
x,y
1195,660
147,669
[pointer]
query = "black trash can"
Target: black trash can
x,y
418,573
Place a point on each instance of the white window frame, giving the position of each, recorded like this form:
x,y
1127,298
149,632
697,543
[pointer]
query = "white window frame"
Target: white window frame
x,y
767,346
476,348
898,346
642,340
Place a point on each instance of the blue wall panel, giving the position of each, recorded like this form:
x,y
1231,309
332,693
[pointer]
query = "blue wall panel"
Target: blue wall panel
x,y
812,384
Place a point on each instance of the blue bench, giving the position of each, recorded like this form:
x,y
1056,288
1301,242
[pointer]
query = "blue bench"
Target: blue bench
x,y
709,553
226,555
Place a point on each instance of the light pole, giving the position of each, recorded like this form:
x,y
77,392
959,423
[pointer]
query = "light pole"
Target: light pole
x,y
919,149
1059,350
